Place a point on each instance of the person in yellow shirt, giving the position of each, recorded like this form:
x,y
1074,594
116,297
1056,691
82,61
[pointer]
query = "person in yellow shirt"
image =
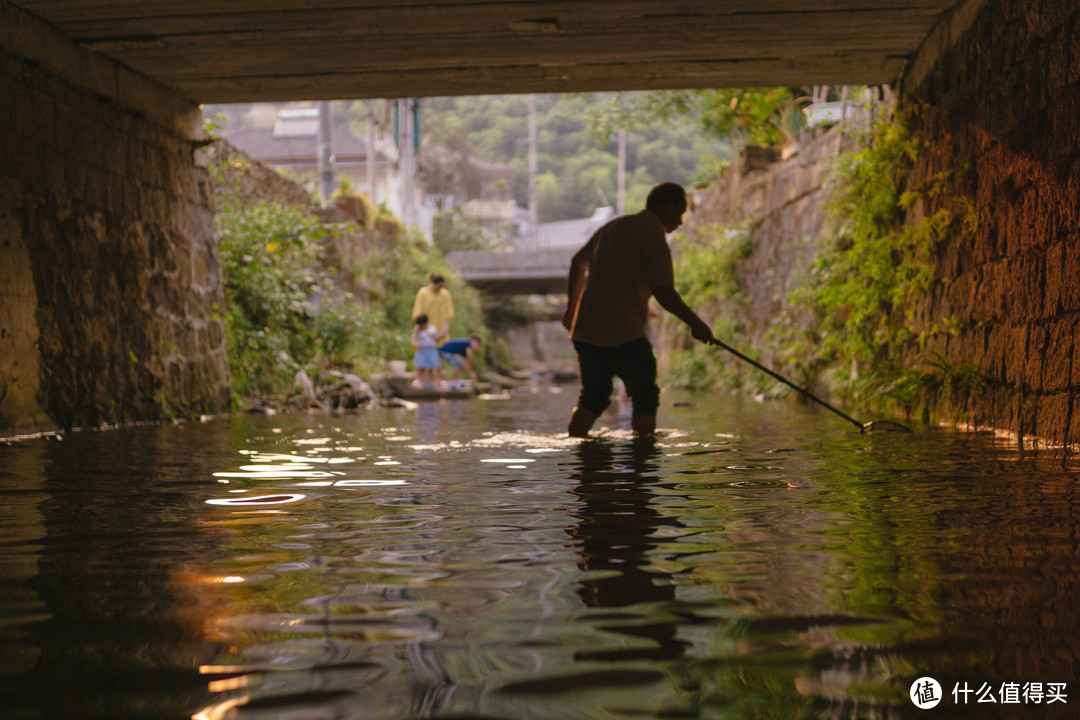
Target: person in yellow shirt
x,y
434,301
611,279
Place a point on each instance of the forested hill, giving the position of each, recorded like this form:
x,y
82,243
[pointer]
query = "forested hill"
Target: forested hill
x,y
577,167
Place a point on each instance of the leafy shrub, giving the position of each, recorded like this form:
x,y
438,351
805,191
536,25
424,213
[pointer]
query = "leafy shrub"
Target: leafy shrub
x,y
268,254
706,270
285,311
851,319
394,274
706,276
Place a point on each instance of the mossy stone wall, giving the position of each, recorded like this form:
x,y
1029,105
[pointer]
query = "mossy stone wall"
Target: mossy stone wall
x,y
110,287
998,119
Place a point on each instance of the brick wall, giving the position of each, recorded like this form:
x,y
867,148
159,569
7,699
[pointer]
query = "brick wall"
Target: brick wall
x,y
997,110
109,275
994,100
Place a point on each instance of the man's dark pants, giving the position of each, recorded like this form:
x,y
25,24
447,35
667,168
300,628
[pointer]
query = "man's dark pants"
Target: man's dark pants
x,y
632,362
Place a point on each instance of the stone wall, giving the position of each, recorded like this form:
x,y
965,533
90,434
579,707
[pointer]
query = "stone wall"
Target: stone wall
x,y
244,180
994,101
109,277
782,195
997,110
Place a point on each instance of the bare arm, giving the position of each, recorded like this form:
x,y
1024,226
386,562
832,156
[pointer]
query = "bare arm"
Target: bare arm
x,y
670,300
444,331
575,284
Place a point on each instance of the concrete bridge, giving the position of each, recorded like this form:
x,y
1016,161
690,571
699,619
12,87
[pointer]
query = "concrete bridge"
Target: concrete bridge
x,y
515,272
110,286
216,51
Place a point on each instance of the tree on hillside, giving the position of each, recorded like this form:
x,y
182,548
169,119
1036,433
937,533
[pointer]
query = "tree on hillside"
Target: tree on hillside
x,y
764,116
578,162
577,168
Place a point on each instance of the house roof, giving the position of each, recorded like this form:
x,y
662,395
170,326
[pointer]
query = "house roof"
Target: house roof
x,y
293,140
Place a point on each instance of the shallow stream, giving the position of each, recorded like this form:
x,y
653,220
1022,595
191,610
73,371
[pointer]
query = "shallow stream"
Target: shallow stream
x,y
466,560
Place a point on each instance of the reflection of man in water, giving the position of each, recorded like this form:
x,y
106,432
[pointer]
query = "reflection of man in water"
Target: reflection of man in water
x,y
615,532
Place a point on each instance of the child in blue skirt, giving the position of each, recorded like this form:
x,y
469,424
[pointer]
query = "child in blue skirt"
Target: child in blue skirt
x,y
425,342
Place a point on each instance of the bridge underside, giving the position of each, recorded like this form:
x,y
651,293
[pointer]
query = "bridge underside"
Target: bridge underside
x,y
521,286
110,284
213,51
535,272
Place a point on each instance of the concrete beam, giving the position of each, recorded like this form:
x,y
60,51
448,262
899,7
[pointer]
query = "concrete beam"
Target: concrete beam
x,y
27,36
243,50
945,34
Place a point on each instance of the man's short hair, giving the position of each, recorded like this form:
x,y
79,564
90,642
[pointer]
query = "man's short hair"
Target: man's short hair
x,y
664,193
436,278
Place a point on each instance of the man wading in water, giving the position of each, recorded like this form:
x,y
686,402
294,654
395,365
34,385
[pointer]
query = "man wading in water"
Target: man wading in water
x,y
611,280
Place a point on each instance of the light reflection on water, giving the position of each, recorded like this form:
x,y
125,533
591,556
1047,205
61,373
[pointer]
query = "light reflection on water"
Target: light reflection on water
x,y
468,560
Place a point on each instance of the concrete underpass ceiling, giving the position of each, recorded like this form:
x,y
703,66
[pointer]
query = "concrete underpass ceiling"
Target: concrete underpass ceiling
x,y
219,51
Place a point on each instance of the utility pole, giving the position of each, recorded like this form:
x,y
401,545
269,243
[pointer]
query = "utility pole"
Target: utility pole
x,y
323,152
371,150
620,199
405,155
534,222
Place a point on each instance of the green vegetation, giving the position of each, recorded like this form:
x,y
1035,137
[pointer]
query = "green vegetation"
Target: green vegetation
x,y
763,116
876,265
577,158
706,277
707,267
452,231
850,321
869,270
852,318
577,163
289,308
